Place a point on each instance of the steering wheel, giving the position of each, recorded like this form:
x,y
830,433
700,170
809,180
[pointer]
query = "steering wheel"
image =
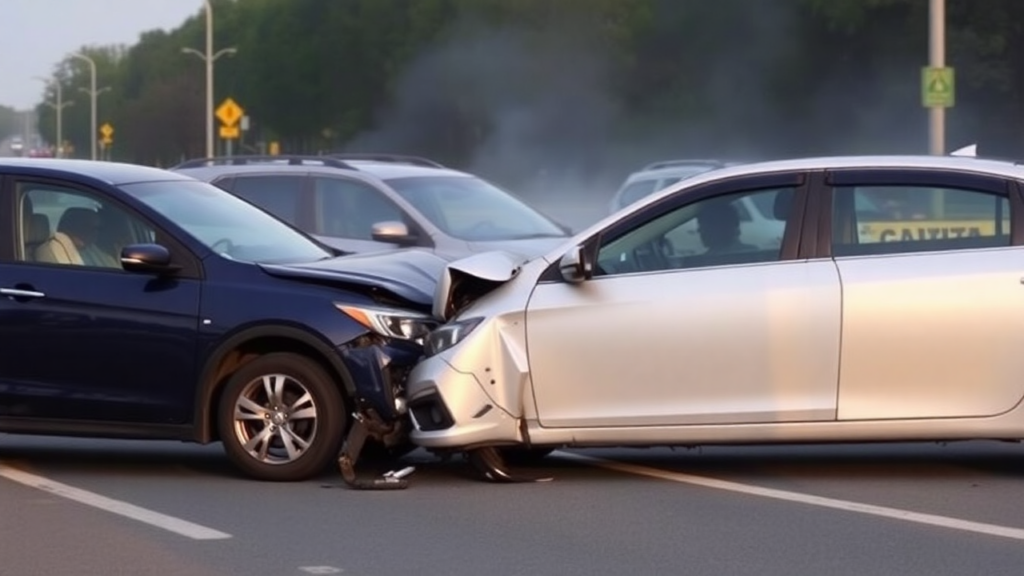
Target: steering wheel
x,y
229,246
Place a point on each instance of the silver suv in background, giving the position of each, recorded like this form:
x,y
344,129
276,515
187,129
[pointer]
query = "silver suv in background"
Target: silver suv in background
x,y
371,202
657,176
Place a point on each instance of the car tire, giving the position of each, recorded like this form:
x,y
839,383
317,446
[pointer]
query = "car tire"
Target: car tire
x,y
282,418
518,456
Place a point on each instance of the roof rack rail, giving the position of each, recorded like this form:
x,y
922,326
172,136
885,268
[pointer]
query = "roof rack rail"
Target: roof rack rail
x,y
244,159
697,162
397,158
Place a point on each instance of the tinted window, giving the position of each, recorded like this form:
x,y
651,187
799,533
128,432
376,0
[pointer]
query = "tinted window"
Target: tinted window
x,y
710,232
226,224
472,209
72,228
279,195
349,209
892,219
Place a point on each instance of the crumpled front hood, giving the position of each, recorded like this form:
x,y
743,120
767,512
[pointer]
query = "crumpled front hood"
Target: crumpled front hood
x,y
411,274
468,279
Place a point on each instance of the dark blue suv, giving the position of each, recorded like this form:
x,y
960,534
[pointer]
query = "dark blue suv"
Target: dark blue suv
x,y
140,303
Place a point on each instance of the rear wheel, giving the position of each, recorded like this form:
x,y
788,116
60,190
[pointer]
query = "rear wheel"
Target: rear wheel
x,y
281,418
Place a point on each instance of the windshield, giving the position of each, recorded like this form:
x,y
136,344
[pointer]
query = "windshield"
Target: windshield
x,y
227,224
473,210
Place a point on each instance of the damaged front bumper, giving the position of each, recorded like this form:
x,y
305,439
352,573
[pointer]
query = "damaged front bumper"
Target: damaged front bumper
x,y
379,369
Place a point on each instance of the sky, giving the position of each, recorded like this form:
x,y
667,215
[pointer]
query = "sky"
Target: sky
x,y
37,34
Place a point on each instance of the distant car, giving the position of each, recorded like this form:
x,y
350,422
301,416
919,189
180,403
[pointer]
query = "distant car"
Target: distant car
x,y
830,335
369,202
657,176
17,146
141,303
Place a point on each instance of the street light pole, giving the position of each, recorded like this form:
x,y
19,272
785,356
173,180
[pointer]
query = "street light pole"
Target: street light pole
x,y
937,59
59,107
93,94
209,57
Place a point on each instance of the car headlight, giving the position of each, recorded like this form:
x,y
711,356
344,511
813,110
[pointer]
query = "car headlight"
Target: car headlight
x,y
392,322
449,335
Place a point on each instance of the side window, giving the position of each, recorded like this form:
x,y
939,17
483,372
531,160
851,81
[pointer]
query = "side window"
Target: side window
x,y
706,233
279,195
870,220
349,209
66,226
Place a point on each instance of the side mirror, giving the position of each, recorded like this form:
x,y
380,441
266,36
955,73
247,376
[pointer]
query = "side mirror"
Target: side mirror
x,y
393,232
147,259
575,266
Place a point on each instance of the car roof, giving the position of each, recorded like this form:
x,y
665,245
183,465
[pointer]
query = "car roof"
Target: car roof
x,y
114,173
1000,167
359,169
1005,168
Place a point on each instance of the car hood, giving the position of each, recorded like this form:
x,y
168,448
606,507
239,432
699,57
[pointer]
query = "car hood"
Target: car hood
x,y
410,274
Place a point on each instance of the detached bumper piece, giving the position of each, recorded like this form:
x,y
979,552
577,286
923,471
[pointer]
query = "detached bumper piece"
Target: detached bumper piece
x,y
365,426
491,465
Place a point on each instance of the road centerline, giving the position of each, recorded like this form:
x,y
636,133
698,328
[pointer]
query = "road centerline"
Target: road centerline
x,y
845,505
119,507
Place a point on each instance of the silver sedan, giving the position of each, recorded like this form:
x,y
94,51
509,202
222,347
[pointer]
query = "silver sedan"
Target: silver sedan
x,y
902,322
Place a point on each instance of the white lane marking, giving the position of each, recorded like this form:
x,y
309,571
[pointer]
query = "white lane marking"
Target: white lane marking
x,y
321,569
849,506
170,523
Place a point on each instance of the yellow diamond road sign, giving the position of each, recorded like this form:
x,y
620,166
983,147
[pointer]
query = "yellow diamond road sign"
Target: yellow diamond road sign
x,y
230,112
106,131
938,88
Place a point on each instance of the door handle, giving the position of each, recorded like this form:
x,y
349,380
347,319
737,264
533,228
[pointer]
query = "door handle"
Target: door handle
x,y
19,293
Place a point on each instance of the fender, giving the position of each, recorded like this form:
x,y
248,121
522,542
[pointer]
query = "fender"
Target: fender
x,y
207,384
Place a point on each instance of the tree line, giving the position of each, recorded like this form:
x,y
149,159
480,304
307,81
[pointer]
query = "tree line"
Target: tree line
x,y
541,87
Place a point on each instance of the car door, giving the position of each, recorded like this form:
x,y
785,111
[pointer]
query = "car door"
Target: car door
x,y
346,211
656,338
80,338
933,302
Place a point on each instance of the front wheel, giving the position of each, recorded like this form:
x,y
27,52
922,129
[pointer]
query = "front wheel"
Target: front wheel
x,y
281,418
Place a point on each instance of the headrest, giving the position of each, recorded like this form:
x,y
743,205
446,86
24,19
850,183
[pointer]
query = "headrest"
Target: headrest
x,y
783,204
79,222
37,229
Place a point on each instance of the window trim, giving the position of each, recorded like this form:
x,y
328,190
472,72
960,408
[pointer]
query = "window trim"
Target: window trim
x,y
191,266
795,229
927,177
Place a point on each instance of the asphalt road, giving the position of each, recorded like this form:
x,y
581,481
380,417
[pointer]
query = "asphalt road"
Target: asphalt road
x,y
88,507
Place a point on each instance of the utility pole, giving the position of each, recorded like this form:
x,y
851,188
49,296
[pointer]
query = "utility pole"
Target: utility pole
x,y
937,59
93,94
59,107
209,57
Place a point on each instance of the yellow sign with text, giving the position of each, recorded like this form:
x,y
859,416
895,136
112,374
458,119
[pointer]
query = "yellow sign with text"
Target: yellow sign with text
x,y
910,230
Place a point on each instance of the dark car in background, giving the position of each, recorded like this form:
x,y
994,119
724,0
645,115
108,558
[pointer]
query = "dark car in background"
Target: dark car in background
x,y
368,202
140,303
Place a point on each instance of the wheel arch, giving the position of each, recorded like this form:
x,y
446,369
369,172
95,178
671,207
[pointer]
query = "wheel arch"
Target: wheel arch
x,y
249,343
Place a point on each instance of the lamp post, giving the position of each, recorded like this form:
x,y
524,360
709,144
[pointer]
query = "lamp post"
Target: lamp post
x,y
937,59
59,107
93,94
209,57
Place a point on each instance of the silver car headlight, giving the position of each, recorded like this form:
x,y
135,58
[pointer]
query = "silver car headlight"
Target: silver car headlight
x,y
449,335
392,322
